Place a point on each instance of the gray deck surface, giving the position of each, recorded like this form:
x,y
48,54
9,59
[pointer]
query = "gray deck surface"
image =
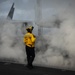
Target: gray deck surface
x,y
20,69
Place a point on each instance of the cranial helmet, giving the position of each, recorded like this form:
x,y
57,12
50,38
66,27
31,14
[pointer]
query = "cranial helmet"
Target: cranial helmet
x,y
30,27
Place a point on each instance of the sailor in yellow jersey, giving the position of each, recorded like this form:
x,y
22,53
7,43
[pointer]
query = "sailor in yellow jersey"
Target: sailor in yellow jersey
x,y
29,41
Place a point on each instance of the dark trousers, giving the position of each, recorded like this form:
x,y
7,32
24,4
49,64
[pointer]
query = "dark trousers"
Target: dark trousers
x,y
30,55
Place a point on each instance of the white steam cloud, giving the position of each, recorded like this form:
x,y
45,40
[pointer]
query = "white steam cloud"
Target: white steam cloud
x,y
60,42
54,49
11,38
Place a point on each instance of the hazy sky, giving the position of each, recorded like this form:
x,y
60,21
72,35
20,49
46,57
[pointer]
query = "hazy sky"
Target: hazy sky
x,y
24,9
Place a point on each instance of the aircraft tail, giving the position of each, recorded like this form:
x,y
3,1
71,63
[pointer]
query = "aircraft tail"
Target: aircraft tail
x,y
11,12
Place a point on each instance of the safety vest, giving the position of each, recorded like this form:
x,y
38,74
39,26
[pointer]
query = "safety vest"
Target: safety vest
x,y
29,39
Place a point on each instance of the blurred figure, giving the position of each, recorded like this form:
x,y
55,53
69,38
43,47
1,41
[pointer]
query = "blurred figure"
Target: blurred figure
x,y
29,41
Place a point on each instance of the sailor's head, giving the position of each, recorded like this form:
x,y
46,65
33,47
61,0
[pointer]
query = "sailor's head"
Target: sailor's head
x,y
30,28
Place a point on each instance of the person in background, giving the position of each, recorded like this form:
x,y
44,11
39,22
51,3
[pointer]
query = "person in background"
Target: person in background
x,y
29,41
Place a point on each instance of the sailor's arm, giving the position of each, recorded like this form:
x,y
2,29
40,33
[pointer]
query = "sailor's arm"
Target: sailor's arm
x,y
33,38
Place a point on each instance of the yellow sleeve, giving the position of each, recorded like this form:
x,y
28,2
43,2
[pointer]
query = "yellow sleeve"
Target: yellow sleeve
x,y
33,38
24,39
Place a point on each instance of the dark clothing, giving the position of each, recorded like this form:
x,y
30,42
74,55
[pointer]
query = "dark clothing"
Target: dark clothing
x,y
30,55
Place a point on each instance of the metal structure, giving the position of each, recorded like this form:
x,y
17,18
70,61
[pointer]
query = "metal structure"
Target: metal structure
x,y
38,16
11,12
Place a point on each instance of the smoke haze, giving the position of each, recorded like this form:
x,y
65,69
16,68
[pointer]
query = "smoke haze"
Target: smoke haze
x,y
55,48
